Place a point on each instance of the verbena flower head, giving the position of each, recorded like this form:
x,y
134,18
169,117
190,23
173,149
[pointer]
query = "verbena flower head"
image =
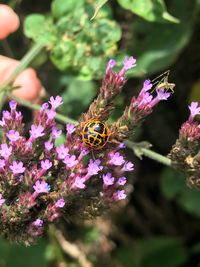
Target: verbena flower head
x,y
185,154
41,182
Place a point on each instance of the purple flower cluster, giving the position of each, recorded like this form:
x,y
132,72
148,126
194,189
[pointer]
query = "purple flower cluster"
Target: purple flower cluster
x,y
145,100
190,130
41,181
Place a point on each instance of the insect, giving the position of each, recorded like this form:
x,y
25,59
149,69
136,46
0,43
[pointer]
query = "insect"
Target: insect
x,y
161,82
95,134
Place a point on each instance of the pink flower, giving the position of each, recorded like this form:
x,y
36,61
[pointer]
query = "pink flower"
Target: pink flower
x,y
116,159
60,203
17,167
55,102
41,187
119,195
5,151
36,131
194,110
70,161
38,223
94,167
2,200
108,179
13,135
46,164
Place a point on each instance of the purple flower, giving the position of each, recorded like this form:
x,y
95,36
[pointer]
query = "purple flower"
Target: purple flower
x,y
44,106
46,164
145,100
41,187
56,132
48,146
2,200
6,115
129,62
121,181
194,110
38,223
5,151
94,167
17,167
18,115
119,195
2,122
108,179
147,85
70,161
70,128
13,135
13,104
2,163
62,151
51,114
36,131
162,95
83,153
128,166
122,145
116,159
111,64
60,203
79,183
55,102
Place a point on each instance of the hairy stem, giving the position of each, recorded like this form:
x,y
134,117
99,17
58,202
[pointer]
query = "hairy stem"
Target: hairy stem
x,y
24,63
138,149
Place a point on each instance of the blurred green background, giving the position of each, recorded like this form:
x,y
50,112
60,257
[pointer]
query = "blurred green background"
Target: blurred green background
x,y
160,224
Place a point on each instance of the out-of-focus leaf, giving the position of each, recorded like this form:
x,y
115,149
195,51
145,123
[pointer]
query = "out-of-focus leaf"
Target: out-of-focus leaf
x,y
77,97
195,92
99,5
60,8
151,10
21,256
162,251
40,29
189,200
153,252
157,46
173,186
172,183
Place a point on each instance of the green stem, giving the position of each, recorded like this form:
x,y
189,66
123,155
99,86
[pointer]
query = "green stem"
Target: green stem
x,y
31,105
148,153
25,61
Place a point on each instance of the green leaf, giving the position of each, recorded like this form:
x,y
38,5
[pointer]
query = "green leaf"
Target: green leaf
x,y
158,45
79,94
150,10
99,5
172,183
153,252
40,29
21,256
60,8
162,251
189,200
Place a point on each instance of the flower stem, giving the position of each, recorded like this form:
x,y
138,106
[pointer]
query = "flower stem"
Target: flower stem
x,y
26,60
32,53
140,150
28,104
